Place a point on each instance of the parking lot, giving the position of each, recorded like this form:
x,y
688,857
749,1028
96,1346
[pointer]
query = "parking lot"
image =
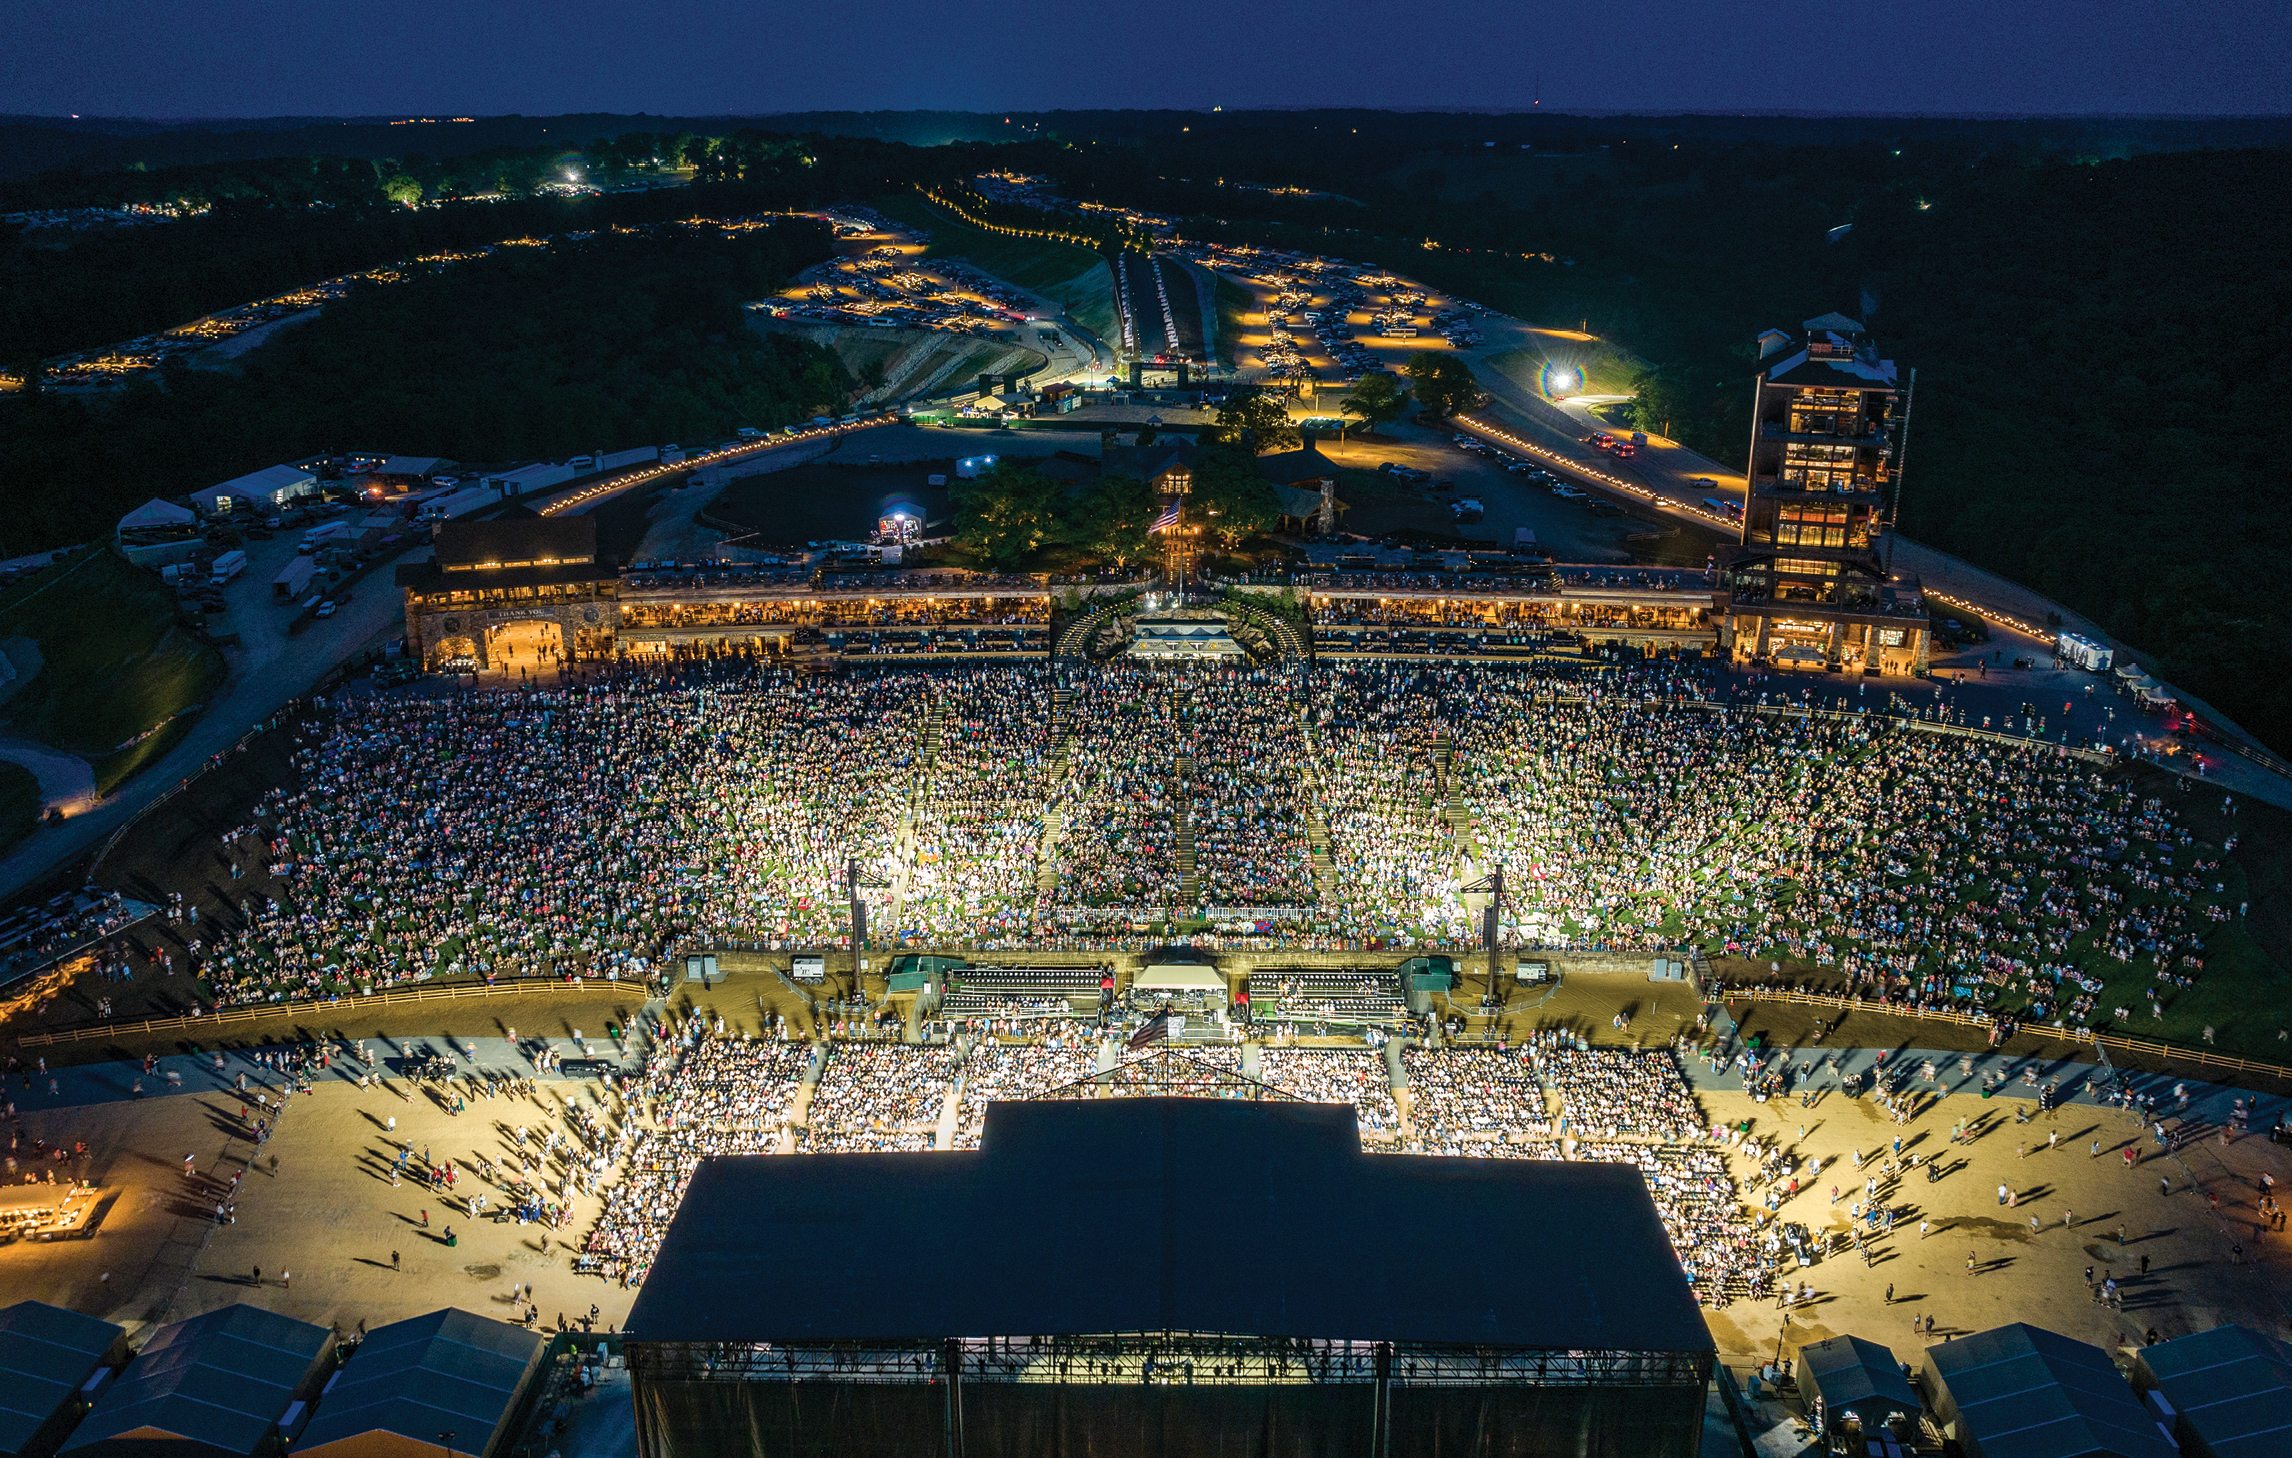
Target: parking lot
x,y
1569,524
1322,323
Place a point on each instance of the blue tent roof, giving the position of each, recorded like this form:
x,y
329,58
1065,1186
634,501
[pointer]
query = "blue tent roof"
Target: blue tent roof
x,y
1857,1376
451,1371
2022,1392
222,1381
46,1353
2231,1388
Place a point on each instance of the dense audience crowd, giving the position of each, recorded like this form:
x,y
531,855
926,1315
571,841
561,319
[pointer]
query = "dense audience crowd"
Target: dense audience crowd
x,y
1474,1094
592,829
1337,1076
1605,1092
1005,1071
702,1097
877,1096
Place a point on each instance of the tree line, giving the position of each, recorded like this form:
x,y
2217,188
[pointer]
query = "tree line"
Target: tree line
x,y
604,342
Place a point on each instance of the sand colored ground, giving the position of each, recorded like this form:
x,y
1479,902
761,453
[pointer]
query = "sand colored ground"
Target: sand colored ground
x,y
2194,1278
331,1218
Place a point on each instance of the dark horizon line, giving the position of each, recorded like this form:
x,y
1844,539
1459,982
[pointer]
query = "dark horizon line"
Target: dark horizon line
x,y
1641,113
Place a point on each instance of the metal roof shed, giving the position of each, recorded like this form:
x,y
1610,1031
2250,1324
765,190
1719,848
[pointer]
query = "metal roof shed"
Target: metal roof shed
x,y
218,1384
2021,1392
47,1356
1860,1378
2230,1390
449,1380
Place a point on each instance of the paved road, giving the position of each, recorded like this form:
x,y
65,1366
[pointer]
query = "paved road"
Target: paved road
x,y
266,672
67,782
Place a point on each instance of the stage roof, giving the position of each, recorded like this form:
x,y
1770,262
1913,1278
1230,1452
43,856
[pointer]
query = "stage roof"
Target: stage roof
x,y
1115,1216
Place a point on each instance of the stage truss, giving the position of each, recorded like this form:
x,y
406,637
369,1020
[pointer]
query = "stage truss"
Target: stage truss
x,y
1169,1071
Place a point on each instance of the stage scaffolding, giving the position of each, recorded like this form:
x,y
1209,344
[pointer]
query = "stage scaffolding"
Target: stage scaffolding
x,y
1168,1359
1162,1395
1170,1071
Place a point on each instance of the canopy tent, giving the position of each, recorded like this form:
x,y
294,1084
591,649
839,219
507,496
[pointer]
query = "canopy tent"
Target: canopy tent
x,y
47,1355
1859,1379
414,1383
1177,977
217,1384
2230,1390
156,513
2021,1392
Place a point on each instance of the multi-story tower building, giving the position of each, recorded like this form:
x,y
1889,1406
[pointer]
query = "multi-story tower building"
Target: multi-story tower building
x,y
1810,581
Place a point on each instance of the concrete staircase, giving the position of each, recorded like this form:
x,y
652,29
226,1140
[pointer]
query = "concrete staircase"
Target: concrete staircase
x,y
1189,873
1054,819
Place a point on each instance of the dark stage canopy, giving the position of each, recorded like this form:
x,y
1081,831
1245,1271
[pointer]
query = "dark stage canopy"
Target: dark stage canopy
x,y
1125,1216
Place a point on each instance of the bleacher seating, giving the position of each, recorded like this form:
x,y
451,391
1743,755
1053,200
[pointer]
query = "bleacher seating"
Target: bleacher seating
x,y
1020,992
1354,996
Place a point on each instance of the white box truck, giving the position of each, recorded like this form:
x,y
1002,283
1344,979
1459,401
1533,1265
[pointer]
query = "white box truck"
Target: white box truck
x,y
293,579
2079,651
226,567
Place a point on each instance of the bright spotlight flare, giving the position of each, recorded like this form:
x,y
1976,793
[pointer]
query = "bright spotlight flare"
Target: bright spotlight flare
x,y
1560,380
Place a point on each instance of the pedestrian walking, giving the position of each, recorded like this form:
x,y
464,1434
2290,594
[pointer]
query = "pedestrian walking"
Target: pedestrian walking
x,y
1890,1293
393,1260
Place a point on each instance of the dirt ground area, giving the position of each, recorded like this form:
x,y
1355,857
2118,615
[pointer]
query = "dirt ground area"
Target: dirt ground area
x,y
2177,1263
323,1228
153,1219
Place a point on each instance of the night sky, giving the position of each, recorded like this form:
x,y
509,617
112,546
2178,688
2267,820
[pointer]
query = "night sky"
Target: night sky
x,y
191,58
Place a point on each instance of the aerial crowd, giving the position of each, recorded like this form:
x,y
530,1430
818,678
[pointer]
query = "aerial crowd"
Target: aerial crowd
x,y
707,1094
595,830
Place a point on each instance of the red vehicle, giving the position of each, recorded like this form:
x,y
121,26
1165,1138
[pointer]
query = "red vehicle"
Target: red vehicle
x,y
1623,450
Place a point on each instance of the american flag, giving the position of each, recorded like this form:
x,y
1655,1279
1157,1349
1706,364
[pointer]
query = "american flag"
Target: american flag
x,y
1168,520
1155,1030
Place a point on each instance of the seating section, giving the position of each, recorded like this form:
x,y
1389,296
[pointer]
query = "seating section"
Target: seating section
x,y
1342,997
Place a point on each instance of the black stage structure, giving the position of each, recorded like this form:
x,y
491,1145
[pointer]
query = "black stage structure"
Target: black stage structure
x,y
1155,1277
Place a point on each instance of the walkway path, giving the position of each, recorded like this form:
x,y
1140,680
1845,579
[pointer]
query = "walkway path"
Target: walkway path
x,y
67,782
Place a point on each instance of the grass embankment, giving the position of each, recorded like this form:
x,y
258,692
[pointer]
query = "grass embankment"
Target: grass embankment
x,y
1088,299
1031,263
2244,992
1605,369
1234,302
1075,279
118,671
19,804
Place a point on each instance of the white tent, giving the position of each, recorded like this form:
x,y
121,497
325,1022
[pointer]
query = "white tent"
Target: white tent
x,y
1177,977
157,513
